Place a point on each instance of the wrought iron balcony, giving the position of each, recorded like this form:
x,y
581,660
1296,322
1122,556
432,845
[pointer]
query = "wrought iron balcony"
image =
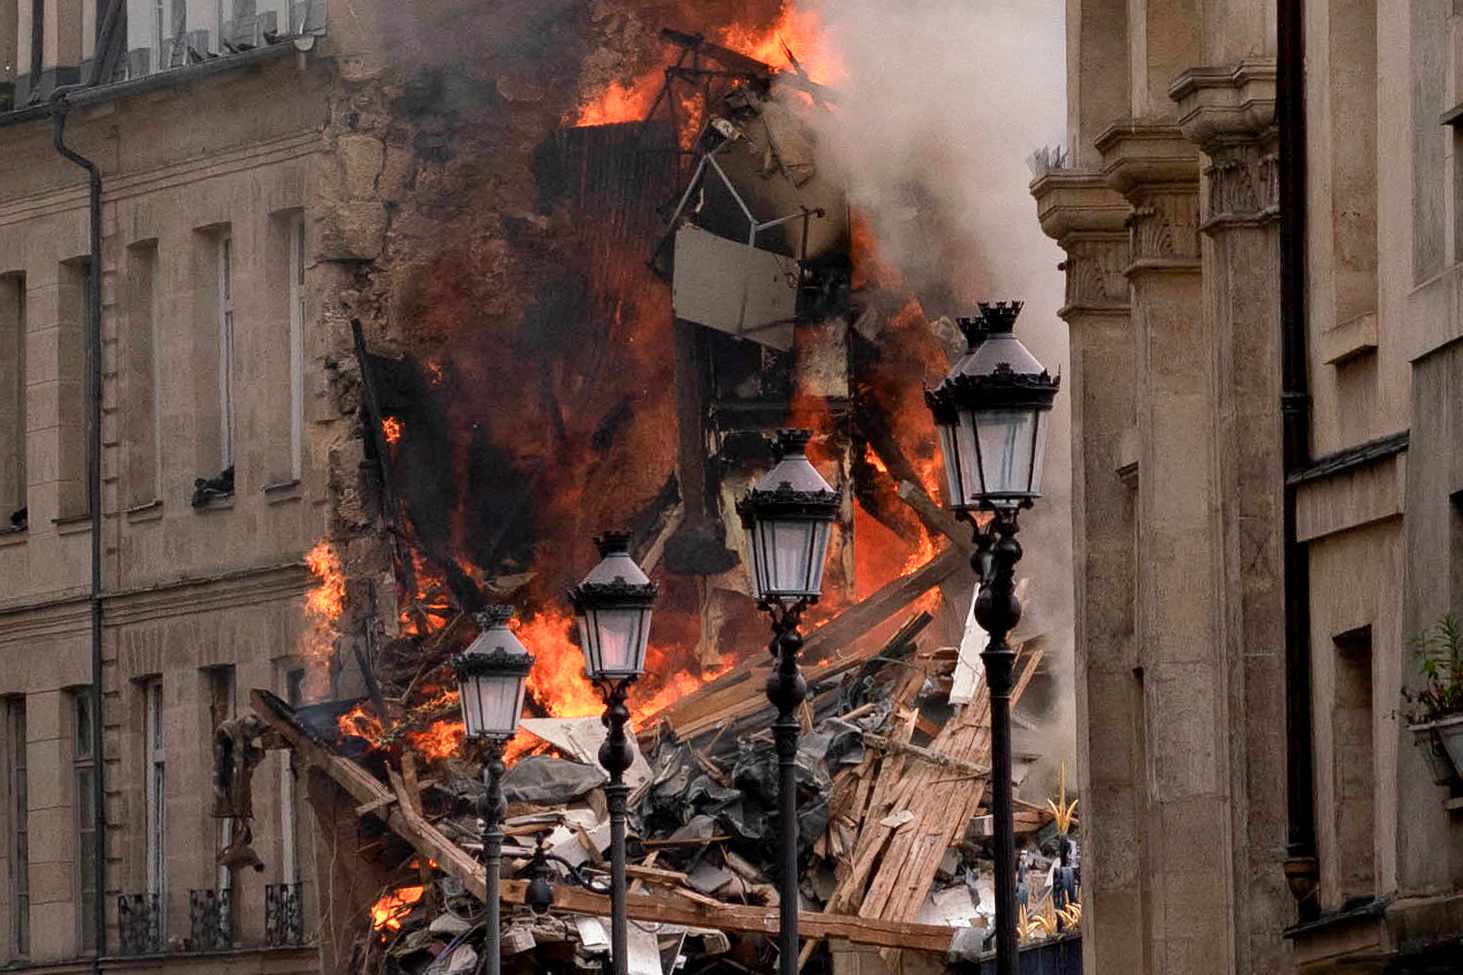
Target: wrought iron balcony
x,y
211,920
139,924
284,915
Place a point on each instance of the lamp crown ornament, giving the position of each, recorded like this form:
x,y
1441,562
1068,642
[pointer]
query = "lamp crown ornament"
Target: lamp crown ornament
x,y
791,443
995,317
614,542
493,616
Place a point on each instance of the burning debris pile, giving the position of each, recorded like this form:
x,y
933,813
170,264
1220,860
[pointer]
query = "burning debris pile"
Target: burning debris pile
x,y
892,779
686,278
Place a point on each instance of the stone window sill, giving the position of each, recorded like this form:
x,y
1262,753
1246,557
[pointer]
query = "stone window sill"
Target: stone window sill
x,y
147,511
72,524
283,491
10,535
224,503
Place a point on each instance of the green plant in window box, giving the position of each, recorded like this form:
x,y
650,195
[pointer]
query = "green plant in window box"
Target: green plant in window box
x,y
1436,719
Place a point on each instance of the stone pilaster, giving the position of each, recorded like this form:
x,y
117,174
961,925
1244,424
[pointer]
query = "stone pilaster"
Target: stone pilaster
x,y
1229,114
1184,731
1089,220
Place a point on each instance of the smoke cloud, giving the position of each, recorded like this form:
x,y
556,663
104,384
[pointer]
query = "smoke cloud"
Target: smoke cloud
x,y
940,104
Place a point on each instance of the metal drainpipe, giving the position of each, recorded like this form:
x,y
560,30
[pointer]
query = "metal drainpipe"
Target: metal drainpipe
x,y
94,502
1295,405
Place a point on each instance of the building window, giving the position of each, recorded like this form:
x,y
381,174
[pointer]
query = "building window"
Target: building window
x,y
289,797
226,348
37,41
13,514
17,815
297,345
84,783
1353,769
142,410
221,709
155,795
73,299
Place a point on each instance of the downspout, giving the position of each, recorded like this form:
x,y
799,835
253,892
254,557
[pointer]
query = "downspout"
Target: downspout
x,y
94,504
1295,407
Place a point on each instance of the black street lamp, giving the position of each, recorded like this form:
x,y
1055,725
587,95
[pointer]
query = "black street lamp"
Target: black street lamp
x,y
788,517
613,606
991,412
490,677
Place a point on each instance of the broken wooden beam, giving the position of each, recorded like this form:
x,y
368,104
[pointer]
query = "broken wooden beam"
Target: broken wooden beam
x,y
731,917
883,743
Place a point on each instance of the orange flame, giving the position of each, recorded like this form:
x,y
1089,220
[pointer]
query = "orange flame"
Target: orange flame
x,y
795,30
391,428
393,906
323,605
442,739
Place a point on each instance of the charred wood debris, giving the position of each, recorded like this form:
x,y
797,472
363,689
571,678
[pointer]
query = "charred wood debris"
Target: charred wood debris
x,y
893,762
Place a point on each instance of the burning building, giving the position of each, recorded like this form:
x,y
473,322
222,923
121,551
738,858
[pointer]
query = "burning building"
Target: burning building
x,y
390,309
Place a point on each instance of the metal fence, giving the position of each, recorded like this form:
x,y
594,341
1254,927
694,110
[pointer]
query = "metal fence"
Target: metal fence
x,y
284,915
139,924
1060,956
211,920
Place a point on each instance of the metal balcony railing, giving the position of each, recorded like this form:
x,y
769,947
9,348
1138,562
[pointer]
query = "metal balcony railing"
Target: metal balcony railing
x,y
211,920
139,924
284,915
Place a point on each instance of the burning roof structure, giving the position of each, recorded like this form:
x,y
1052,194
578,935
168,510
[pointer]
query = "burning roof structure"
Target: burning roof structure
x,y
686,278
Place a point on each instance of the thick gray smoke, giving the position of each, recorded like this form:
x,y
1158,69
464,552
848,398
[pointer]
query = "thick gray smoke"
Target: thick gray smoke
x,y
940,105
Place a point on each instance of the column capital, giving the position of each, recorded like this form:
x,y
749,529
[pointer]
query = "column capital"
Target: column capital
x,y
1090,220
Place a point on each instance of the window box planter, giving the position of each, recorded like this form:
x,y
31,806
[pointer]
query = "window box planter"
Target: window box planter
x,y
1429,741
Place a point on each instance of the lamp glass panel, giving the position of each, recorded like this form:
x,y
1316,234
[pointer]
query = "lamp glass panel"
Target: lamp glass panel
x,y
792,549
1040,456
822,530
586,643
499,694
967,458
950,453
472,711
1006,439
620,635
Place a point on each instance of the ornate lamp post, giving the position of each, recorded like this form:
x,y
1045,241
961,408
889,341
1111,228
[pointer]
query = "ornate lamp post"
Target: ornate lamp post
x,y
991,413
613,606
788,517
490,676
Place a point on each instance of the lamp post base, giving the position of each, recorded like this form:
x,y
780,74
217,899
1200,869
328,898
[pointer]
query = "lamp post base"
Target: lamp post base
x,y
615,756
998,611
786,690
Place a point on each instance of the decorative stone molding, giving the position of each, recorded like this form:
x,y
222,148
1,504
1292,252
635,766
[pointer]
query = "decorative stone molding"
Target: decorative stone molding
x,y
1218,103
1165,227
1090,221
1244,184
1157,170
1229,113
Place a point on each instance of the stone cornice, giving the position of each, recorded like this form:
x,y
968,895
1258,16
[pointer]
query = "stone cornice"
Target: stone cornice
x,y
1234,102
1071,202
71,613
246,587
1138,155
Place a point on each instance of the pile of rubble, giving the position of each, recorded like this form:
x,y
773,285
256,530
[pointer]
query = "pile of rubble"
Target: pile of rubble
x,y
893,767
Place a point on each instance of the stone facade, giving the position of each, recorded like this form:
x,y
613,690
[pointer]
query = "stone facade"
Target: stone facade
x,y
1170,216
210,180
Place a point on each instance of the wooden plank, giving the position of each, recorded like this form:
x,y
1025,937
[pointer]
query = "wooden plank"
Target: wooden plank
x,y
733,917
